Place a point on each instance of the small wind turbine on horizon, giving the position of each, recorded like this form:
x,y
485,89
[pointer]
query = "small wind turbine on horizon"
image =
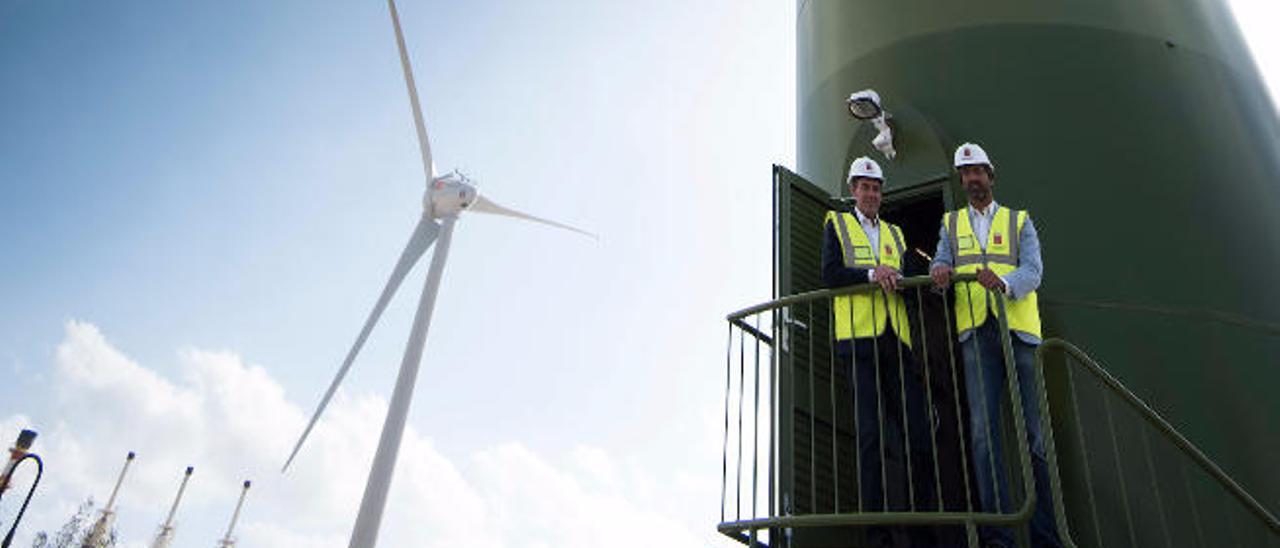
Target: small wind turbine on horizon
x,y
99,534
447,196
164,538
229,541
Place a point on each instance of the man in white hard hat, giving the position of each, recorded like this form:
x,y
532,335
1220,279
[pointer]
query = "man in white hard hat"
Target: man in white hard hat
x,y
1001,247
873,344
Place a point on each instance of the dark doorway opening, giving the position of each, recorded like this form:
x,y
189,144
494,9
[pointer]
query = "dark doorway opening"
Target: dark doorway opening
x,y
919,214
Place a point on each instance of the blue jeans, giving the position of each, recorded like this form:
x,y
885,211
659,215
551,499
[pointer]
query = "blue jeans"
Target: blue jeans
x,y
984,376
878,390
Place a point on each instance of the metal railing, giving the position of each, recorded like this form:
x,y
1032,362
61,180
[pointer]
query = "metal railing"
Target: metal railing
x,y
1132,488
793,466
823,464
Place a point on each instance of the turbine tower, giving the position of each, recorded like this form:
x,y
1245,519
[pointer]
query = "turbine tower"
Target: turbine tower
x,y
446,197
101,531
167,530
227,540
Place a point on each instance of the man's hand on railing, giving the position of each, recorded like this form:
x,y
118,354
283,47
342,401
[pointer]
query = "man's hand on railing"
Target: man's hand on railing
x,y
941,275
887,278
990,280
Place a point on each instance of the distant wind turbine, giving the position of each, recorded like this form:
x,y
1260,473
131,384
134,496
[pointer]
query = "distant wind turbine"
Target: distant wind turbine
x,y
447,196
100,533
229,541
168,530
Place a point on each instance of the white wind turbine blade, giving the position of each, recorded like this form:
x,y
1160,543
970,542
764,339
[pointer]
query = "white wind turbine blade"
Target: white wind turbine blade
x,y
485,205
423,144
423,236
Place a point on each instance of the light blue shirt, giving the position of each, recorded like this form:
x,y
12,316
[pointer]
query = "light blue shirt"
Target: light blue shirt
x,y
1019,283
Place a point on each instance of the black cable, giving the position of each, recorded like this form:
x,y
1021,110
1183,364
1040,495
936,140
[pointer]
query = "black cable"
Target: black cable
x,y
8,539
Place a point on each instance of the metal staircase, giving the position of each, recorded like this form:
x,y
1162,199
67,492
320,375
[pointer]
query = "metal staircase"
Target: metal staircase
x,y
1120,474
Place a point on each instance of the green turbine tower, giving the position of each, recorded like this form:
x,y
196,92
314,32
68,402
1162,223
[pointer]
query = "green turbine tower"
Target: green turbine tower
x,y
1141,138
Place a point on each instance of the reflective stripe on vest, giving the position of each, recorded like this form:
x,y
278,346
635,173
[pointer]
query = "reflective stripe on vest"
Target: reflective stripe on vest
x,y
863,314
1000,254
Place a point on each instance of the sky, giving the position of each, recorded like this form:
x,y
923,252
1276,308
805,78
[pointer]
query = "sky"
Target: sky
x,y
199,203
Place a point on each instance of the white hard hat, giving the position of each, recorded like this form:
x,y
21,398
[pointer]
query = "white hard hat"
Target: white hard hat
x,y
865,167
970,154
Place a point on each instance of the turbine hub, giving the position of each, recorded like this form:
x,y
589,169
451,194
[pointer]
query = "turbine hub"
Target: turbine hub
x,y
448,195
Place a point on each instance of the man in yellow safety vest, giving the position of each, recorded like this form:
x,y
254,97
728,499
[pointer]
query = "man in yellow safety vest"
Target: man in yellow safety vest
x,y
1000,246
873,344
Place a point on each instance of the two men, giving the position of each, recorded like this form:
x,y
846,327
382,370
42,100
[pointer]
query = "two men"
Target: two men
x,y
998,245
872,331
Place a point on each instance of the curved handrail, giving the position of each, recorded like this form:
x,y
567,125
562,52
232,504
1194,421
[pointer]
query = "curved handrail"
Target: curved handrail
x,y
886,518
1154,418
798,298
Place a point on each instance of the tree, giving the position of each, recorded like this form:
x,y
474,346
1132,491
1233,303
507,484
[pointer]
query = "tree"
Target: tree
x,y
74,532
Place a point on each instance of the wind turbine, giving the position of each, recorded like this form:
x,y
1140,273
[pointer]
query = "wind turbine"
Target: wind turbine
x,y
101,530
167,529
446,197
229,541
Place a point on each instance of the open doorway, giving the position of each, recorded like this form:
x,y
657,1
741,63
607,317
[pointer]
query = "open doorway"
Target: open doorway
x,y
919,213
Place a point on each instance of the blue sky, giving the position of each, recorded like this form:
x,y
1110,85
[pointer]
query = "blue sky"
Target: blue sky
x,y
201,201
201,193
213,180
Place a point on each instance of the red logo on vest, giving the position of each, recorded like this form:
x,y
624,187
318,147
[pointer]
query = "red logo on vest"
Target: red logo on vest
x,y
998,239
888,250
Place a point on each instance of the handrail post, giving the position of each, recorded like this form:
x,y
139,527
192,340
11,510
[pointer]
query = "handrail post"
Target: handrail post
x,y
728,383
1051,450
930,409
755,436
1016,399
775,363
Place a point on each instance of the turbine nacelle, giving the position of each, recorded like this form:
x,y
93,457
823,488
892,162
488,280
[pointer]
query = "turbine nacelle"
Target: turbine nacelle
x,y
448,195
452,193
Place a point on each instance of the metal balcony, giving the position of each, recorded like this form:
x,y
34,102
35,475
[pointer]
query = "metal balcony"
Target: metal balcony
x,y
790,467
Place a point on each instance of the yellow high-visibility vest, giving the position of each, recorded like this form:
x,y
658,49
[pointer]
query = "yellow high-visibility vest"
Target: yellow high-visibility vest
x,y
1001,256
865,314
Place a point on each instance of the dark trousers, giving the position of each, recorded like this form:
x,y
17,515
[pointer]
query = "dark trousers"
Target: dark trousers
x,y
895,452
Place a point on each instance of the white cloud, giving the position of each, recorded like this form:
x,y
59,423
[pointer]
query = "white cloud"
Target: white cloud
x,y
231,420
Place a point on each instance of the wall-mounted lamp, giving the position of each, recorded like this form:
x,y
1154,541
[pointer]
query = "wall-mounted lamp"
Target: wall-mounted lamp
x,y
865,105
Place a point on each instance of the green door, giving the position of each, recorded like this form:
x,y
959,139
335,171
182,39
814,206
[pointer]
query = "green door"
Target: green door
x,y
814,474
